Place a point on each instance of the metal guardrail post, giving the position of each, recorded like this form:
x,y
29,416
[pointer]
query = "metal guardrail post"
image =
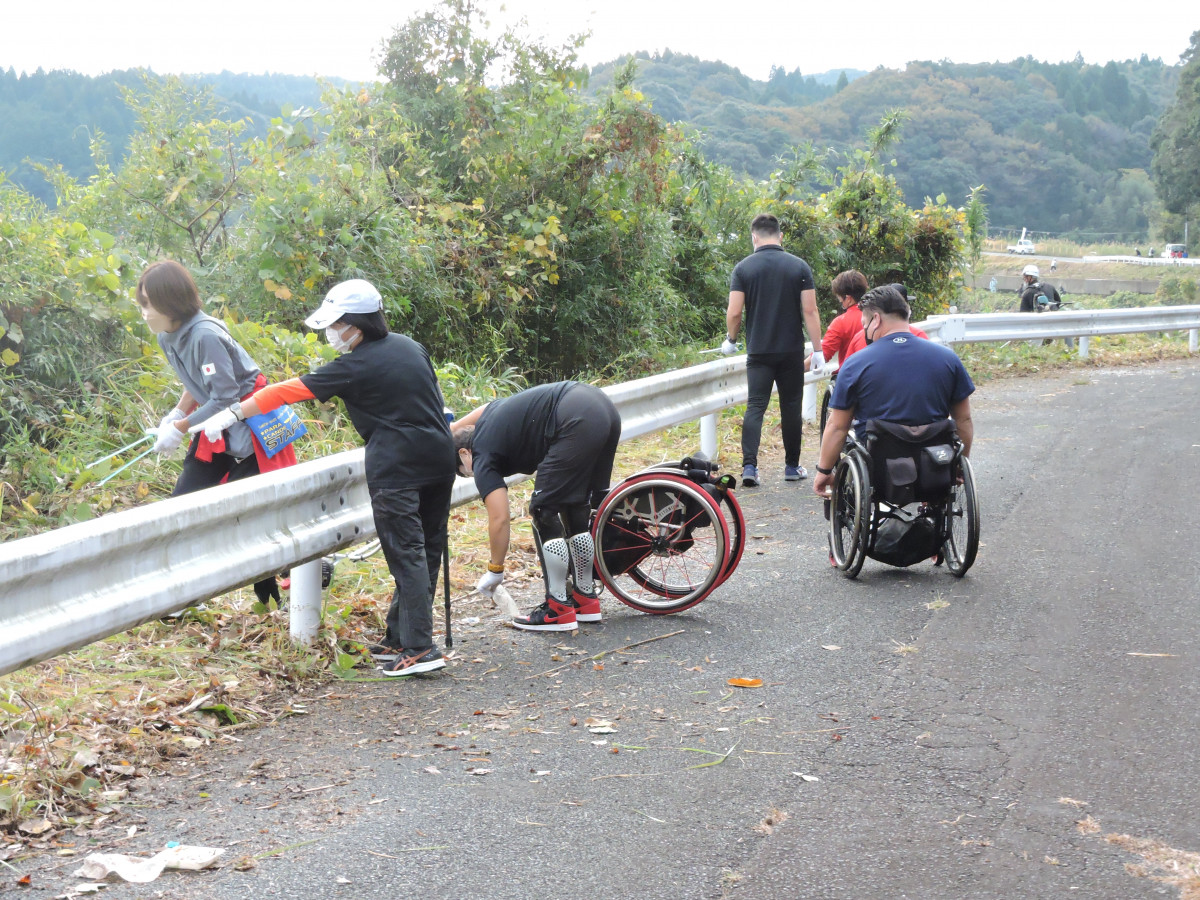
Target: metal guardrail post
x,y
1193,340
708,436
305,606
1084,341
808,402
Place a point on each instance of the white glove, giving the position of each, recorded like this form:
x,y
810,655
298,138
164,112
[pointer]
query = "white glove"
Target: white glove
x,y
169,437
215,425
818,362
728,347
489,582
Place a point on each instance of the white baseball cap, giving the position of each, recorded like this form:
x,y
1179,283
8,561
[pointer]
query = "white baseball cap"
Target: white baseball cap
x,y
354,296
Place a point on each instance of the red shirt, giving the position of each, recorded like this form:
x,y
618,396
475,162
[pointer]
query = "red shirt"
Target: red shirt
x,y
840,334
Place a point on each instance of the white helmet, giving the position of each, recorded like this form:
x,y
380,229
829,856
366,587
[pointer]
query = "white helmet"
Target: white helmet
x,y
1030,270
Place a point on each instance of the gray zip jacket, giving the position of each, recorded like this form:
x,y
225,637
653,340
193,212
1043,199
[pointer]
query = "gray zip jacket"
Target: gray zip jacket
x,y
216,371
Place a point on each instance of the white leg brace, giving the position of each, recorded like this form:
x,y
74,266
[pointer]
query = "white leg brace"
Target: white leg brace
x,y
555,558
583,555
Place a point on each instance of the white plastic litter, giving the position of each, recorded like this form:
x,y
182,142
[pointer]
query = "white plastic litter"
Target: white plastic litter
x,y
140,869
504,602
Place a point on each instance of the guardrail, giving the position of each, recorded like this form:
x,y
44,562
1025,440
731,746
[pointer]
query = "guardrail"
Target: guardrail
x,y
1063,323
81,583
74,585
1145,260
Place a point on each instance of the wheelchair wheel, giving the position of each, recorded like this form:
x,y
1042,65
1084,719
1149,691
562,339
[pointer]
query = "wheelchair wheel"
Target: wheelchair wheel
x,y
662,544
850,514
824,413
962,522
735,522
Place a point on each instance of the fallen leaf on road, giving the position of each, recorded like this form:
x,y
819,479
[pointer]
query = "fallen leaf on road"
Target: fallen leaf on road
x,y
745,682
432,770
474,771
1069,802
830,647
806,777
1168,655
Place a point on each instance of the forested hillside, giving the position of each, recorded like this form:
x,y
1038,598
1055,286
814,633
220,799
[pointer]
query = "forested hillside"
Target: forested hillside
x,y
51,118
1061,148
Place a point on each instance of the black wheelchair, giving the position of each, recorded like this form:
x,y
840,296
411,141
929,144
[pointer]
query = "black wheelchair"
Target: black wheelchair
x,y
903,494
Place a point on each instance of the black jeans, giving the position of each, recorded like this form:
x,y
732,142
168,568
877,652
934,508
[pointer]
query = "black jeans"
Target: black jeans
x,y
786,372
197,475
411,525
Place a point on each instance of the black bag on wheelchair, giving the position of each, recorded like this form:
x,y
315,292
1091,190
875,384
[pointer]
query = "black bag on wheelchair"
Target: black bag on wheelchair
x,y
904,542
911,463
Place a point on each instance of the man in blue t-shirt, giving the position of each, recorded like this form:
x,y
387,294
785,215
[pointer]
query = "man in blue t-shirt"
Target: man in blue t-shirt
x,y
897,378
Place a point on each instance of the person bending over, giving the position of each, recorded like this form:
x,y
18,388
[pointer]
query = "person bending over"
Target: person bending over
x,y
566,433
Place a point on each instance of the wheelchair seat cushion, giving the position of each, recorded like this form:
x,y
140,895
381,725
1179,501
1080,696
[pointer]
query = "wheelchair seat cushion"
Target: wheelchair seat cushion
x,y
911,463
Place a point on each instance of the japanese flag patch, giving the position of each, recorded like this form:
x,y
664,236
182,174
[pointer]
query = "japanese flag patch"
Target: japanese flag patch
x,y
208,369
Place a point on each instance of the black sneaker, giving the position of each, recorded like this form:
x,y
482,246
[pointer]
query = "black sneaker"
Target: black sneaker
x,y
414,662
384,652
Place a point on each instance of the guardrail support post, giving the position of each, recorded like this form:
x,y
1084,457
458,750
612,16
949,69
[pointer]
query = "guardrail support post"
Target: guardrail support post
x,y
1084,340
808,402
708,436
1193,340
305,603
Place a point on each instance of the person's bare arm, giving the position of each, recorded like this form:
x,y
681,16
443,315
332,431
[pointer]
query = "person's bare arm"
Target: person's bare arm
x,y
498,520
469,419
812,318
733,314
960,412
832,441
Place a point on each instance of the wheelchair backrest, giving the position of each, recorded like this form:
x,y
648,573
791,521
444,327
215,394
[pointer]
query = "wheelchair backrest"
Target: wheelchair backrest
x,y
911,463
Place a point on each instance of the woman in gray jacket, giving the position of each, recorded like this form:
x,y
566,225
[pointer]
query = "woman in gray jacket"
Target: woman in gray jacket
x,y
216,372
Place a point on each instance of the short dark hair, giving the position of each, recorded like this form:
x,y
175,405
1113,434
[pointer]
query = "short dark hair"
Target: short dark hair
x,y
373,326
464,439
765,225
885,299
851,283
168,287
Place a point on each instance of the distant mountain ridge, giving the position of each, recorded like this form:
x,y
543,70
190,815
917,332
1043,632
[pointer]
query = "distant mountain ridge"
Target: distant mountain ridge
x,y
1061,148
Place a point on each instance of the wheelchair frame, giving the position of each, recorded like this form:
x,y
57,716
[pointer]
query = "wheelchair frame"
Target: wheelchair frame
x,y
855,513
668,536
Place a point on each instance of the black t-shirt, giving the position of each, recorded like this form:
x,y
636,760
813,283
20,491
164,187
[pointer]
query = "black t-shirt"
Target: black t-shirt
x,y
514,434
392,396
772,280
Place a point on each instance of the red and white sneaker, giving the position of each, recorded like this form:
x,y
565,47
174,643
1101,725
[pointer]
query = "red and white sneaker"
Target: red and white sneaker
x,y
587,605
550,616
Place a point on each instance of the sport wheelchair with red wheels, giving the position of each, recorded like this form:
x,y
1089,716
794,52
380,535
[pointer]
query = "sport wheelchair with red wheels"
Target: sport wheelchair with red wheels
x,y
668,536
903,494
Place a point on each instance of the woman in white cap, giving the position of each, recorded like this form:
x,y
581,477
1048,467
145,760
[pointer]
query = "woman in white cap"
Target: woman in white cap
x,y
391,393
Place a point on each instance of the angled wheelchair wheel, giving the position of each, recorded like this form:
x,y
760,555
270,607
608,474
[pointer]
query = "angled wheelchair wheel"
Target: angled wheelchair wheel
x,y
735,522
962,521
826,394
850,514
662,544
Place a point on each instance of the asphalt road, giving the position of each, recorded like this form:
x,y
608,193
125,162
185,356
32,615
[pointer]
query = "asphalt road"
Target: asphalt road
x,y
954,733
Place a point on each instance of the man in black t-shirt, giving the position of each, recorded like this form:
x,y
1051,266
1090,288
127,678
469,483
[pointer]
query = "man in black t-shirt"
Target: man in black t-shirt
x,y
776,292
567,433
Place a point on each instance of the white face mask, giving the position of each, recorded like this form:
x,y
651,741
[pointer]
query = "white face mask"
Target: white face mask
x,y
336,341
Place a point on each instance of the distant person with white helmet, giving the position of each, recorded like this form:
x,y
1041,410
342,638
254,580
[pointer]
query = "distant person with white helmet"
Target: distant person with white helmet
x,y
1035,296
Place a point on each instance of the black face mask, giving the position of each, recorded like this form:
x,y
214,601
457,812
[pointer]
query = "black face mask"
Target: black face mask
x,y
867,333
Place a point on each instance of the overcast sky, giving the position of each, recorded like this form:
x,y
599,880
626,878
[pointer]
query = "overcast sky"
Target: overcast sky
x,y
342,37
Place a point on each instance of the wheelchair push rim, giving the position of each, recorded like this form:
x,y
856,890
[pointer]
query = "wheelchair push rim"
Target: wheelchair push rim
x,y
962,522
662,543
849,514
